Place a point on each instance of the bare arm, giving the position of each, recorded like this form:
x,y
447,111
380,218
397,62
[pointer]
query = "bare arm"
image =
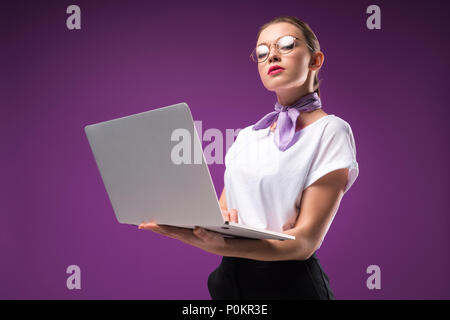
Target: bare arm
x,y
319,204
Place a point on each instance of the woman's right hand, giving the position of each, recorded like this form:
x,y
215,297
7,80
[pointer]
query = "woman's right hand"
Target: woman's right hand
x,y
230,215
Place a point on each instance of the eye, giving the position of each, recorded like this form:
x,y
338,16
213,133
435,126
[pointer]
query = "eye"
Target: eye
x,y
262,51
287,46
262,55
286,43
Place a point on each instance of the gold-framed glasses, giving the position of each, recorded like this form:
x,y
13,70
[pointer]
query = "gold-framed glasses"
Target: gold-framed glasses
x,y
283,45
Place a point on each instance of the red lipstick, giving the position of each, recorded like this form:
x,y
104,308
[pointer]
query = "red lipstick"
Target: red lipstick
x,y
275,69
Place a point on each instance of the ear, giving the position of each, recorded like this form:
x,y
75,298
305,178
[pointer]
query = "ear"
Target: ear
x,y
317,60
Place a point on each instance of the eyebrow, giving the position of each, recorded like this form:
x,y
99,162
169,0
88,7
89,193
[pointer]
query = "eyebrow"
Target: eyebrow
x,y
264,42
297,37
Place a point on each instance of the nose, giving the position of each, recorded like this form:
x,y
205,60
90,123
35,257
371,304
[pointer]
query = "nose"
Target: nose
x,y
274,55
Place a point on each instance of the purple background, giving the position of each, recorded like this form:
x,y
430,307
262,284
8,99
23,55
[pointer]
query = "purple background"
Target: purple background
x,y
133,56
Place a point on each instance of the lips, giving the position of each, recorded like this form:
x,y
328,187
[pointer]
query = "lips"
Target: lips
x,y
275,69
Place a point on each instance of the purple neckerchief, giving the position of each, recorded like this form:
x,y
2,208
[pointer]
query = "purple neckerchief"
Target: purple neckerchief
x,y
287,118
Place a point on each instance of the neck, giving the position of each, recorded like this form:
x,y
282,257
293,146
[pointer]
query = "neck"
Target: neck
x,y
289,96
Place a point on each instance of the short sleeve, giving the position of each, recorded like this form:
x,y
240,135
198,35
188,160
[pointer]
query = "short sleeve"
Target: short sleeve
x,y
336,150
231,152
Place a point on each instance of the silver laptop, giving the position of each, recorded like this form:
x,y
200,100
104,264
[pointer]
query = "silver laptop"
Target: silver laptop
x,y
149,176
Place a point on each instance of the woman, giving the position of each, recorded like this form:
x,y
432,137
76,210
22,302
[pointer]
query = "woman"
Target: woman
x,y
286,173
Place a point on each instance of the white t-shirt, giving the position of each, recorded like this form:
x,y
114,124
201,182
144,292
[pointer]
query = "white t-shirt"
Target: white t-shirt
x,y
265,184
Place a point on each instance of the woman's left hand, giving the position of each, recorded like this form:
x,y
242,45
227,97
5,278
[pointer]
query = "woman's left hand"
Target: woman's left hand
x,y
209,241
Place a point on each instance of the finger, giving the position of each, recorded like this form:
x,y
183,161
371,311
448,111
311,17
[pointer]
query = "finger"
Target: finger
x,y
200,232
226,215
157,227
151,226
234,215
205,234
174,230
178,233
147,225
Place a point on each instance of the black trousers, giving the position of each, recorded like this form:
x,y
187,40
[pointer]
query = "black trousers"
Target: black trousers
x,y
238,278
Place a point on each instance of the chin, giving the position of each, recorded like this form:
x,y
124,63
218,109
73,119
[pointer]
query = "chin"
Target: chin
x,y
272,87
